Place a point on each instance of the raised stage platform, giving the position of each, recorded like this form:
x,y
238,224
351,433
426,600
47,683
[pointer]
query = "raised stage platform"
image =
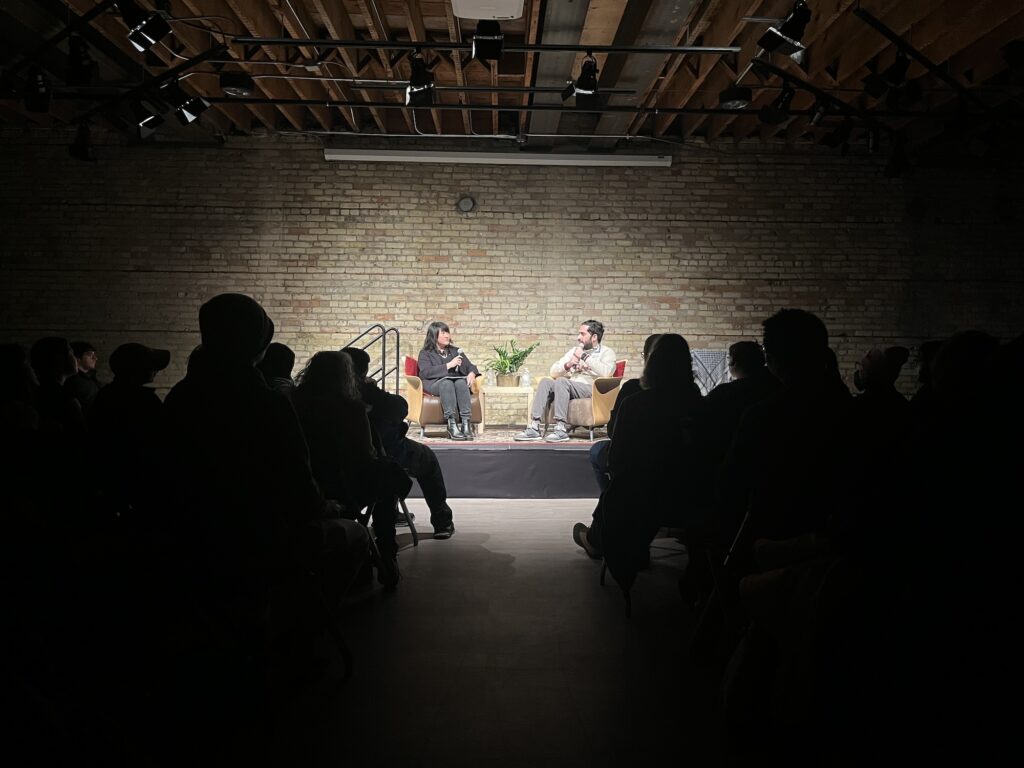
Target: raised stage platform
x,y
505,469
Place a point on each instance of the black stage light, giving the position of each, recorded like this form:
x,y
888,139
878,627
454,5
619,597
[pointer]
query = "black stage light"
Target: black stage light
x,y
735,97
820,110
586,86
488,40
81,68
778,111
82,147
786,39
144,28
147,118
237,84
420,91
37,93
190,111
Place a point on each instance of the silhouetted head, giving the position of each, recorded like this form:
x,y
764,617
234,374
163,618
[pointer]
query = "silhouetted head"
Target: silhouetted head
x,y
53,360
745,359
438,336
955,372
85,354
278,361
880,368
137,364
328,376
796,346
925,358
17,380
235,328
360,361
669,364
649,343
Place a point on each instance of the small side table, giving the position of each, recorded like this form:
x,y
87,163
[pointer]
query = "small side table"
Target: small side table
x,y
501,397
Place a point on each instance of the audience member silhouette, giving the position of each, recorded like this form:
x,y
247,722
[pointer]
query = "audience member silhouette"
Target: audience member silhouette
x,y
126,421
599,450
239,466
276,367
84,385
343,458
387,419
653,461
783,463
53,362
17,391
751,382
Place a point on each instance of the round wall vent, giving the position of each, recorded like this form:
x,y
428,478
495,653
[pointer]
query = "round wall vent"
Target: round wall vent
x,y
465,204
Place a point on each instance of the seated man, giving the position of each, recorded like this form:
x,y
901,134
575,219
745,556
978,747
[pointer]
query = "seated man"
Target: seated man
x,y
84,385
572,377
387,418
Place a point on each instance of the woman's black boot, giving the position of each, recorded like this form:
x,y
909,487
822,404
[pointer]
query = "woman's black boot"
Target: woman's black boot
x,y
453,430
467,430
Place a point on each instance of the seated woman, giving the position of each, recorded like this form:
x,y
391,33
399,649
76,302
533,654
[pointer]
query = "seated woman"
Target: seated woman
x,y
654,461
341,453
447,372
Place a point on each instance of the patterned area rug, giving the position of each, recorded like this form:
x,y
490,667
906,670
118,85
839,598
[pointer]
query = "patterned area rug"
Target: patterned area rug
x,y
501,434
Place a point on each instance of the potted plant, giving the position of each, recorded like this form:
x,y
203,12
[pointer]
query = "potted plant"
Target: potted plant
x,y
507,362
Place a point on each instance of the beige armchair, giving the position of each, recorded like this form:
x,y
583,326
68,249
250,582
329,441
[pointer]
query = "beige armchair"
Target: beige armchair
x,y
425,409
595,411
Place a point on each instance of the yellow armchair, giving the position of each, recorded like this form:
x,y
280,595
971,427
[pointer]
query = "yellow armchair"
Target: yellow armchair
x,y
595,411
425,408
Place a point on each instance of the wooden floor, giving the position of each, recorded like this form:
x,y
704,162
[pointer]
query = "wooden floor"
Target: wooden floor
x,y
500,648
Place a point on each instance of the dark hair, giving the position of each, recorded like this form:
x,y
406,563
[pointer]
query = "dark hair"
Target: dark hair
x,y
278,361
746,357
81,347
328,376
17,381
49,357
795,340
595,328
360,361
649,343
430,342
669,364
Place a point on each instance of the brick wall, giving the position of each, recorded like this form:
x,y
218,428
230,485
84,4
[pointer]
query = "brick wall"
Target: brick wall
x,y
129,247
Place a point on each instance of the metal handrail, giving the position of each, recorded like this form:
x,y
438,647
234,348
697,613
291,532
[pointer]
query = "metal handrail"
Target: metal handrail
x,y
381,373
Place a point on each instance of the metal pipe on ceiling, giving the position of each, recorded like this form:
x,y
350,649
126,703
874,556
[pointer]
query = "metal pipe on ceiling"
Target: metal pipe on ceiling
x,y
395,45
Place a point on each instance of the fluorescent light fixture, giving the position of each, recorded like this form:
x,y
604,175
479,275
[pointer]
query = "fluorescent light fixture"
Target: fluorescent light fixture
x,y
495,158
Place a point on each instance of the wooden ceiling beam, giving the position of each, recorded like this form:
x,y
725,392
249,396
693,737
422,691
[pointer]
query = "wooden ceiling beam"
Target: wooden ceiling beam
x,y
696,23
937,41
532,16
455,36
261,22
418,34
723,29
299,23
339,26
825,17
377,26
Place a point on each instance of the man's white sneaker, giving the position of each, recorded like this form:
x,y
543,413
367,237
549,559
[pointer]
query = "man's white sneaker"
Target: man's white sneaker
x,y
528,434
558,436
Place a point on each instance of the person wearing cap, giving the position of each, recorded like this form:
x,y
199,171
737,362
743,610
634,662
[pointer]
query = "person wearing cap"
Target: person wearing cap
x,y
84,385
238,464
126,420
